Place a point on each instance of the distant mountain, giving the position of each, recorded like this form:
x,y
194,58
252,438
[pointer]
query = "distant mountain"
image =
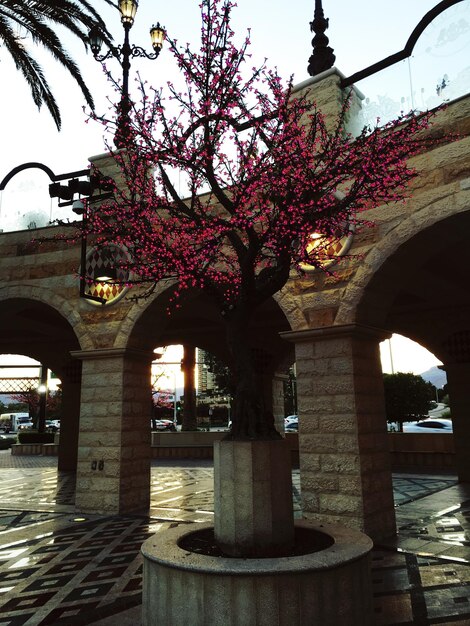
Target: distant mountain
x,y
435,376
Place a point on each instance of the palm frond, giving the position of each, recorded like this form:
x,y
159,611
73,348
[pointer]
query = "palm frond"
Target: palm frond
x,y
38,19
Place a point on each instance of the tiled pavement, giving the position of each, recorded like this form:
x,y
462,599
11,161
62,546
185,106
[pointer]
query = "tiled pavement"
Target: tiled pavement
x,y
58,567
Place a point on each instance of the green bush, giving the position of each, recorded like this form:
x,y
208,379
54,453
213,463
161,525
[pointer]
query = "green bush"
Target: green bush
x,y
32,436
7,442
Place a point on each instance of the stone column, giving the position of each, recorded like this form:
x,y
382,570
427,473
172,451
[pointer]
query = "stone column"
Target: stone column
x,y
69,416
189,407
458,378
326,91
113,468
344,455
278,400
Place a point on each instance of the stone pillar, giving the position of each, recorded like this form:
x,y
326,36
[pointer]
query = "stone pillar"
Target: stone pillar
x,y
326,91
458,378
113,469
189,406
344,454
69,417
278,401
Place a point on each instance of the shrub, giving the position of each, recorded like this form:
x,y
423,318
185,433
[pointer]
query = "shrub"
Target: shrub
x,y
32,436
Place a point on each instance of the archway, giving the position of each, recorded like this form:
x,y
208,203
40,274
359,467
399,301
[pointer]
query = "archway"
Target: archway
x,y
35,329
420,291
412,282
197,322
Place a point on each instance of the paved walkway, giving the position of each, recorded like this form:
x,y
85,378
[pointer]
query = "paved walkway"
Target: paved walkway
x,y
59,567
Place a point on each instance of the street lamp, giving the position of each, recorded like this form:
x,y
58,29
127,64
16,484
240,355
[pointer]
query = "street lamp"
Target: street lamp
x,y
123,54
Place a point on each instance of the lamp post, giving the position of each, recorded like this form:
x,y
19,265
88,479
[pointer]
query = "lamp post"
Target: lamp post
x,y
123,54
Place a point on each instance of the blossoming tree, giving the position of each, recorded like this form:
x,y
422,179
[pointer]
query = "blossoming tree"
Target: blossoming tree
x,y
261,174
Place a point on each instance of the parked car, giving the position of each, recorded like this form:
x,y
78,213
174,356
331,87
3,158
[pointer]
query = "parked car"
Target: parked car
x,y
290,419
163,425
291,427
430,425
53,425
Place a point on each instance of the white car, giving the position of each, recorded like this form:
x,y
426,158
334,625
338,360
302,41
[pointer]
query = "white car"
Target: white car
x,y
163,425
430,425
290,419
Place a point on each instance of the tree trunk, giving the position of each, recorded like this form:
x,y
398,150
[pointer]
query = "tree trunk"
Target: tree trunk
x,y
251,417
253,510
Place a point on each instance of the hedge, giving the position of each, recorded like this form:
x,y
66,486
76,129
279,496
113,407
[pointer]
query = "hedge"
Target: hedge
x,y
32,436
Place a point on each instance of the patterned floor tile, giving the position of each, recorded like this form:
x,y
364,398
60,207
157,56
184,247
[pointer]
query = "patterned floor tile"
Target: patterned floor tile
x,y
70,573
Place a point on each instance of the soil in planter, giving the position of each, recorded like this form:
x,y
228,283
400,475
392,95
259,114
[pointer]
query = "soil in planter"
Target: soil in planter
x,y
307,541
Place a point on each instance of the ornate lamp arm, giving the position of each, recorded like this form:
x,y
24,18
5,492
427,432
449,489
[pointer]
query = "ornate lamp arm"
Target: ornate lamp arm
x,y
115,52
138,51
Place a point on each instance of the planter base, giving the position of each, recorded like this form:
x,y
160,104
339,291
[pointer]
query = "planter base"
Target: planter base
x,y
331,586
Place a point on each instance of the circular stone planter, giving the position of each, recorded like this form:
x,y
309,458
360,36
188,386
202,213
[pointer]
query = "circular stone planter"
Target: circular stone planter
x,y
331,586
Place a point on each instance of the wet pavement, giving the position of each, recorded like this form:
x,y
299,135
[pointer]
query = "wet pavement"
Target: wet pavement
x,y
59,567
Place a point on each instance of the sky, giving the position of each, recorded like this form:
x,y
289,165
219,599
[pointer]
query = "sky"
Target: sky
x,y
400,354
361,33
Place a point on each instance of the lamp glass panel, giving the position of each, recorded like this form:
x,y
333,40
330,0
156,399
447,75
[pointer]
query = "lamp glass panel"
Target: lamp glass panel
x,y
128,9
157,36
96,40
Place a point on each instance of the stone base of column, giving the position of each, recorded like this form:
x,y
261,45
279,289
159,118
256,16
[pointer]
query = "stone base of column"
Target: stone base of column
x,y
253,508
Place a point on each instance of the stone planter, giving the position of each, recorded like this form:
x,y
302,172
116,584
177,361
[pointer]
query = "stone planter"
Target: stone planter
x,y
331,586
35,449
18,449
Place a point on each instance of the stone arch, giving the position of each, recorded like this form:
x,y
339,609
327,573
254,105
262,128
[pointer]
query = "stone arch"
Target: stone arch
x,y
428,219
197,320
68,310
125,336
415,283
37,322
290,307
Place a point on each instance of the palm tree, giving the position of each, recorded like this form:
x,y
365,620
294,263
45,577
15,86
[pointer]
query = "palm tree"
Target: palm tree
x,y
36,18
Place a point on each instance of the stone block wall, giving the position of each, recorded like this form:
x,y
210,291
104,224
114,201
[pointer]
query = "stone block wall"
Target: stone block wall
x,y
113,469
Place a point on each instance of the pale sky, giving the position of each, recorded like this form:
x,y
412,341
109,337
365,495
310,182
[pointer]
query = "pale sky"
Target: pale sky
x,y
30,372
168,369
361,33
405,356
